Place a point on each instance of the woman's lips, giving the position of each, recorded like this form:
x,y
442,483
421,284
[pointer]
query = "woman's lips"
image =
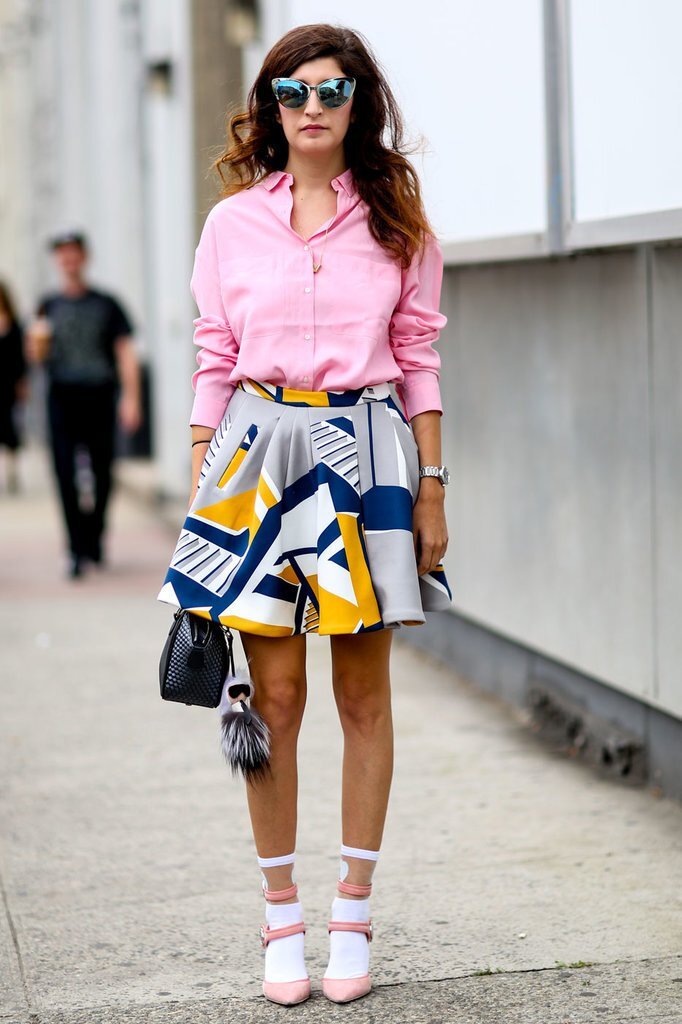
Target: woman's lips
x,y
314,128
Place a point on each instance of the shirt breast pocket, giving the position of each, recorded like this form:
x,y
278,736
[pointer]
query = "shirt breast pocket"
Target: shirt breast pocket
x,y
253,293
363,294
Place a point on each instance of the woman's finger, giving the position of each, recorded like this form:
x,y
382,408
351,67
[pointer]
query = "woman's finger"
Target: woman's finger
x,y
427,556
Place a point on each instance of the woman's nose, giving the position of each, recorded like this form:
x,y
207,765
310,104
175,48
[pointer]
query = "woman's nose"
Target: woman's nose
x,y
312,104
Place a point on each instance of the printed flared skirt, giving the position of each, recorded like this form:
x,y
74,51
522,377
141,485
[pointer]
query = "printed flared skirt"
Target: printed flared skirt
x,y
302,520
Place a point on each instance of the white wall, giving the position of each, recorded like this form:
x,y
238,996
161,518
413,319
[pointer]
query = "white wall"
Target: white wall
x,y
93,147
560,388
28,163
468,76
70,110
627,106
169,236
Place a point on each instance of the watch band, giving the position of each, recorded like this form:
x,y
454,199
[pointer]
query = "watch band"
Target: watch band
x,y
441,472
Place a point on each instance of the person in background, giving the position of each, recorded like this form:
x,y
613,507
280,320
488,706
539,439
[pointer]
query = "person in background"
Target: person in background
x,y
84,337
13,384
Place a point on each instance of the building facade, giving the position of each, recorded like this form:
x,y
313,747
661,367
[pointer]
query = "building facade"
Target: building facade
x,y
552,168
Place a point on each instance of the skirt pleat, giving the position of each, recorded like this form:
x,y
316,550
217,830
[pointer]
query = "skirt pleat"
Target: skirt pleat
x,y
302,520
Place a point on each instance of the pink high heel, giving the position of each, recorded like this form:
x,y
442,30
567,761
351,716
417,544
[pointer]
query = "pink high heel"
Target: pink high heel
x,y
344,990
287,993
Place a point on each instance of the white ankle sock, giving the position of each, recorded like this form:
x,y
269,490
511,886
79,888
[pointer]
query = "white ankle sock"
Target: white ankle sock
x,y
353,851
348,951
276,862
284,957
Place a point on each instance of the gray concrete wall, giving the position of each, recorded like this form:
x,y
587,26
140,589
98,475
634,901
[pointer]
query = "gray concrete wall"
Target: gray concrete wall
x,y
666,464
561,382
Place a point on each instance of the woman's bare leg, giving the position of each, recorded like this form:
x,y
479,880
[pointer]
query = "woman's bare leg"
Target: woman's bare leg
x,y
278,669
362,689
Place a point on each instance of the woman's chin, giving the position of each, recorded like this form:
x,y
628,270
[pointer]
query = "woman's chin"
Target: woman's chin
x,y
313,148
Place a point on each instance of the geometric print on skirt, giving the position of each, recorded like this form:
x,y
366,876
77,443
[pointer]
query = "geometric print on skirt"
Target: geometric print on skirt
x,y
302,520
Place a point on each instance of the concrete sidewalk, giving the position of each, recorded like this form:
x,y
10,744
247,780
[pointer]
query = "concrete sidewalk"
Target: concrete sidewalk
x,y
515,885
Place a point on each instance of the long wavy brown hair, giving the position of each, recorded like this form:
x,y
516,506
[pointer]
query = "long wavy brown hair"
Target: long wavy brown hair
x,y
374,145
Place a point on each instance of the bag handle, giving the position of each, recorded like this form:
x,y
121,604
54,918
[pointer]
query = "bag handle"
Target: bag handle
x,y
229,639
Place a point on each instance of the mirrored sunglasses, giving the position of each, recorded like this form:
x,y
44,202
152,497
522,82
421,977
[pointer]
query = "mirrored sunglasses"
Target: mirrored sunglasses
x,y
291,93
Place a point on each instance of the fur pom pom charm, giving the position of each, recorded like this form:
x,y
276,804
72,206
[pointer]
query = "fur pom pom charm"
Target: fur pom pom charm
x,y
244,736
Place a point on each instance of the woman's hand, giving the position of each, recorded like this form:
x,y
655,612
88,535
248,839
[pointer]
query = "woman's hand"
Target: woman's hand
x,y
428,513
429,527
201,438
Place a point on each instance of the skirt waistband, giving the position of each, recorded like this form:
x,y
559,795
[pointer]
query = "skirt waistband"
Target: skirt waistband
x,y
290,396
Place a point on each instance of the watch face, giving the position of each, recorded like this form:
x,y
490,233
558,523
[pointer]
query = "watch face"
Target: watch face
x,y
446,475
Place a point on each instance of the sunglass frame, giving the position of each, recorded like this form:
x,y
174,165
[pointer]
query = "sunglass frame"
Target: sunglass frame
x,y
309,88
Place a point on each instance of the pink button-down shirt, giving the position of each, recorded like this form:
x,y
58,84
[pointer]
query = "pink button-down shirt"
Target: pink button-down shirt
x,y
264,314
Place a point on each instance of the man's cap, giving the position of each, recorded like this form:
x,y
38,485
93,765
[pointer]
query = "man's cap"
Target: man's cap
x,y
67,238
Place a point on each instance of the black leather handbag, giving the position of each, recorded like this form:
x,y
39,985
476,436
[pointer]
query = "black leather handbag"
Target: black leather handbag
x,y
195,660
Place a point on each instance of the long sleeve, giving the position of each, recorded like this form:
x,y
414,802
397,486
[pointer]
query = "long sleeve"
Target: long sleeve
x,y
414,327
218,347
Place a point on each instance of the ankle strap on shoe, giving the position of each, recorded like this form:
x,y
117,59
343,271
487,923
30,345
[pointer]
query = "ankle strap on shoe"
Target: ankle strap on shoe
x,y
352,926
354,890
278,895
267,934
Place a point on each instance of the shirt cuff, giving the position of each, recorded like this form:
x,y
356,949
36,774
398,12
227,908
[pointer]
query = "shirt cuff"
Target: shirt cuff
x,y
209,412
421,393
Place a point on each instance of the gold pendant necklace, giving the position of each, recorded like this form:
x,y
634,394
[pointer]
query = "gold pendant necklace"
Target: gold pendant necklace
x,y
316,266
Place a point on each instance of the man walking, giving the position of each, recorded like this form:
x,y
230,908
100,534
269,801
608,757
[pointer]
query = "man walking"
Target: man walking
x,y
84,336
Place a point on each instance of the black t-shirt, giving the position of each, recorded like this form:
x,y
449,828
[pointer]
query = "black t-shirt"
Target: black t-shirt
x,y
84,330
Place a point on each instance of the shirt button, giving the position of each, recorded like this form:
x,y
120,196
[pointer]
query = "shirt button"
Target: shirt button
x,y
307,338
305,380
306,290
306,248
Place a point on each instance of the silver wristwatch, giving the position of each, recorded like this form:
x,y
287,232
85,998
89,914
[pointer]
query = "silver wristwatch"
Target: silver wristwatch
x,y
441,472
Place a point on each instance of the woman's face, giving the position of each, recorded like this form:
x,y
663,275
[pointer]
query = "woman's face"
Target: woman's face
x,y
333,121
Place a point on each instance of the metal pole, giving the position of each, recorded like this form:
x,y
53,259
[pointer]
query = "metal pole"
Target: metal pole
x,y
558,127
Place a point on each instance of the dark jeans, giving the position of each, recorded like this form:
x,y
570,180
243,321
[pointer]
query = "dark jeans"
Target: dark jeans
x,y
83,416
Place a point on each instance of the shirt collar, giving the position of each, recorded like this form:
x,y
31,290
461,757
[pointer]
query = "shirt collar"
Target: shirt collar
x,y
344,180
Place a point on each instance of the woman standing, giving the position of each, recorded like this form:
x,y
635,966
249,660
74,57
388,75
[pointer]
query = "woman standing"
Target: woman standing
x,y
318,281
13,383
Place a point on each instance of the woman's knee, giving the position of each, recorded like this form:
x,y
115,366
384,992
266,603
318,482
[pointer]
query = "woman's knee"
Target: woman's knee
x,y
363,702
281,702
278,673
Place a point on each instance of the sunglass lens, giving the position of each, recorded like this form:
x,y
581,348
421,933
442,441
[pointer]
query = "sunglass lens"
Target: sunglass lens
x,y
291,93
336,92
